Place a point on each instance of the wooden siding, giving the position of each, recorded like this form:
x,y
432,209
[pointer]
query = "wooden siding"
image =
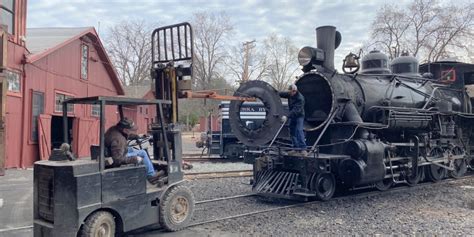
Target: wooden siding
x,y
57,72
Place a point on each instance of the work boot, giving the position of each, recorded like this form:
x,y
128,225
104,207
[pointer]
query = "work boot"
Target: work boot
x,y
304,153
156,177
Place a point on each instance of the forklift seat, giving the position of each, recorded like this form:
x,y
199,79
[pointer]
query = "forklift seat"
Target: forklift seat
x,y
95,152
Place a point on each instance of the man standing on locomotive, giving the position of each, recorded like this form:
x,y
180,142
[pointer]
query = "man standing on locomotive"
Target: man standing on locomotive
x,y
296,116
117,147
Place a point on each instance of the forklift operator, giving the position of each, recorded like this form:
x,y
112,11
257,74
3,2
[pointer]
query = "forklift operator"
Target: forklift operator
x,y
117,147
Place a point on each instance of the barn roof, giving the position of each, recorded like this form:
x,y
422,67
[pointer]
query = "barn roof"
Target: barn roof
x,y
43,41
138,91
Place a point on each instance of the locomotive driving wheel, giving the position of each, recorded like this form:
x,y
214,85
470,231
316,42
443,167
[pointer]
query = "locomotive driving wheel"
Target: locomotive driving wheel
x,y
435,173
459,165
324,185
384,184
412,181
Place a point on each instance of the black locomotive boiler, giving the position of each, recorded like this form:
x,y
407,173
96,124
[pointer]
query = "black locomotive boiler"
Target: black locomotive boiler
x,y
373,128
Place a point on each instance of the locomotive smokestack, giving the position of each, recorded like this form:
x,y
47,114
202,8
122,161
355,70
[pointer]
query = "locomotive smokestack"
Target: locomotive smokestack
x,y
328,39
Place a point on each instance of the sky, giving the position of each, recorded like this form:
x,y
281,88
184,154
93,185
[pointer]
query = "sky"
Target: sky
x,y
252,19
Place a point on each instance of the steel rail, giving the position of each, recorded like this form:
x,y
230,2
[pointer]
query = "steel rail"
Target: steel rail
x,y
226,198
219,174
359,195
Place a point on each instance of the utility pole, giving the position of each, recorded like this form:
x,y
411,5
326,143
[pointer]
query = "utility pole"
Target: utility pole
x,y
247,47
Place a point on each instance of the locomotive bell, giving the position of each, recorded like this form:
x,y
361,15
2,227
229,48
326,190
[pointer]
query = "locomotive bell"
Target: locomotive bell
x,y
351,61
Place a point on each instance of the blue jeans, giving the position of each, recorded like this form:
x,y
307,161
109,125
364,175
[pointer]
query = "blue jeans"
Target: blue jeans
x,y
150,171
297,133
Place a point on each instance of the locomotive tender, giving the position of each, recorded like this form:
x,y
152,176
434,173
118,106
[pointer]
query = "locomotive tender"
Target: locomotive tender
x,y
376,128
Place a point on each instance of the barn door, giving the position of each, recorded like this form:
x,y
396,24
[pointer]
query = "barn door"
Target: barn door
x,y
44,136
85,134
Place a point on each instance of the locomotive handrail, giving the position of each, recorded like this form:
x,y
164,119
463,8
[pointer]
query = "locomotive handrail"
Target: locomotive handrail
x,y
331,117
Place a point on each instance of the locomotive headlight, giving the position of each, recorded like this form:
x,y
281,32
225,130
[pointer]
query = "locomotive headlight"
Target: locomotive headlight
x,y
305,56
309,55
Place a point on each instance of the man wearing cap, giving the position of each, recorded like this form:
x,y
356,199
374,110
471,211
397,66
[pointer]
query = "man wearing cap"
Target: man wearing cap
x,y
117,147
296,116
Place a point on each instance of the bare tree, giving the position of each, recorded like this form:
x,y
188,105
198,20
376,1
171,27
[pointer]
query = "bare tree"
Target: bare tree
x,y
389,28
425,28
257,65
455,29
128,45
281,56
211,30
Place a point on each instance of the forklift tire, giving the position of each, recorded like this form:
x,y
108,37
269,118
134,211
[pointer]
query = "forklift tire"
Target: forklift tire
x,y
100,223
176,208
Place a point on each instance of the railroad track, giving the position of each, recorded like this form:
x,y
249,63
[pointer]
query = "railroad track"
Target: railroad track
x,y
195,157
358,195
205,159
219,174
226,198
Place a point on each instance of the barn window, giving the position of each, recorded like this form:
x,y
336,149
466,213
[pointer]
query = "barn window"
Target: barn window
x,y
141,110
7,14
84,61
95,110
13,81
146,110
37,108
58,106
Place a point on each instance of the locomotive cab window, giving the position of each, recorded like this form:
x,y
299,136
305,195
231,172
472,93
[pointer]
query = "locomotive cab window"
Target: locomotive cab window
x,y
448,75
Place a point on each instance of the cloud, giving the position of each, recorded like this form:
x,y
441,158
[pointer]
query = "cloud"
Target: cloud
x,y
252,19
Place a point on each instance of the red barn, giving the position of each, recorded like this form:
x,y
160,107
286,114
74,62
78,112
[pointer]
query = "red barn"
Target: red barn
x,y
39,68
142,115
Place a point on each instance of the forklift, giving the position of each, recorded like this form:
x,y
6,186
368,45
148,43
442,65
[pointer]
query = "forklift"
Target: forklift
x,y
81,197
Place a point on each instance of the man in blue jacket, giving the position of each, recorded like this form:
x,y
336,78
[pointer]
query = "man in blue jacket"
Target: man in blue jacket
x,y
296,116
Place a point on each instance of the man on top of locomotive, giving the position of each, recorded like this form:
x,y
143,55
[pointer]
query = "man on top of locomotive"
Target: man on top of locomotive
x,y
117,147
296,116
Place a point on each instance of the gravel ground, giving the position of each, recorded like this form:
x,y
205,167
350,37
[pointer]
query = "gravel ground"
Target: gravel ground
x,y
214,167
437,209
189,142
205,189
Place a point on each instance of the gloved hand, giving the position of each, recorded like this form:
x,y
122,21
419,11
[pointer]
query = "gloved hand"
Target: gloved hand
x,y
283,119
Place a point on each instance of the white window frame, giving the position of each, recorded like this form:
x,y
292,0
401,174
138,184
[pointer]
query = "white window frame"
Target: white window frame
x,y
14,81
58,107
84,61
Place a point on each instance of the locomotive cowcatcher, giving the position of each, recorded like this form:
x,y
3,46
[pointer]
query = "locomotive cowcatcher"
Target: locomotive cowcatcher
x,y
373,128
80,197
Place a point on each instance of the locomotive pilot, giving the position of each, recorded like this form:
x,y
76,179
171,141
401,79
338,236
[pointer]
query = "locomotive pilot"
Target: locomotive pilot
x,y
296,116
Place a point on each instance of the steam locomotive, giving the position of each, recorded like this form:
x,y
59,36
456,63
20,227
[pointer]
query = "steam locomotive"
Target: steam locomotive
x,y
373,128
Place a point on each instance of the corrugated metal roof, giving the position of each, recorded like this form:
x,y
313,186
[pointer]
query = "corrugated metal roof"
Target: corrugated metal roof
x,y
136,91
42,39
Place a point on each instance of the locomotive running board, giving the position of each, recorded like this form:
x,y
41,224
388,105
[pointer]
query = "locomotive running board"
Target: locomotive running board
x,y
276,183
